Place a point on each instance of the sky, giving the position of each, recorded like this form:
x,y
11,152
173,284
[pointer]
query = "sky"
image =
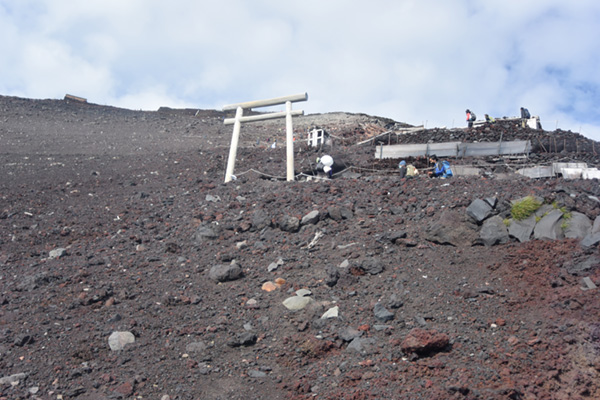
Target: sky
x,y
422,62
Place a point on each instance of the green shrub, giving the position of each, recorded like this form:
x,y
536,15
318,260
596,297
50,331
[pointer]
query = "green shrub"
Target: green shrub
x,y
523,208
506,222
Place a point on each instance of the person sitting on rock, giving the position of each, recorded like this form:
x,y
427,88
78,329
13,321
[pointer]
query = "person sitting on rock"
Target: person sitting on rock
x,y
407,170
489,120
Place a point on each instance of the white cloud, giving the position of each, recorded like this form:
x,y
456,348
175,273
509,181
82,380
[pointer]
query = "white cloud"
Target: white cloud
x,y
410,60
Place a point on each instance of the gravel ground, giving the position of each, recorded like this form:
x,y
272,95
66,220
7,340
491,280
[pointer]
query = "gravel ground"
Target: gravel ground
x,y
116,224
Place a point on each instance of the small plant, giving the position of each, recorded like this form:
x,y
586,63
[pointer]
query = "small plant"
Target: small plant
x,y
523,208
562,209
506,222
566,220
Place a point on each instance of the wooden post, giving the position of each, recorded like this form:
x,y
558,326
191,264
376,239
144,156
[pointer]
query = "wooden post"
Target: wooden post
x,y
289,141
541,144
234,144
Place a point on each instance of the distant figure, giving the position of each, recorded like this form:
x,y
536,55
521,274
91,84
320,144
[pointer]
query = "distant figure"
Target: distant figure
x,y
489,120
325,164
441,169
471,117
402,167
524,116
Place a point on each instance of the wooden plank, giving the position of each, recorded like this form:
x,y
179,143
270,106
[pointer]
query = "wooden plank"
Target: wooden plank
x,y
261,117
269,102
75,98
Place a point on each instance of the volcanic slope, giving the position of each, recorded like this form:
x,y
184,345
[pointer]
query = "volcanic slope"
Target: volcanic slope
x,y
116,230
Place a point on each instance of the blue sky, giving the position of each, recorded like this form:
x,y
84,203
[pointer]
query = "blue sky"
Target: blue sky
x,y
420,62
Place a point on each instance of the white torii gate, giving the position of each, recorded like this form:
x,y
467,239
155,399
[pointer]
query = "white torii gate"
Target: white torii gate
x,y
239,118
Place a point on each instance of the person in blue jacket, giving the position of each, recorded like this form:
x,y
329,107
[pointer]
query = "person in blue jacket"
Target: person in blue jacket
x,y
441,169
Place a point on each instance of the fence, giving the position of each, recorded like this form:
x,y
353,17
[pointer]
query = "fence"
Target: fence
x,y
453,149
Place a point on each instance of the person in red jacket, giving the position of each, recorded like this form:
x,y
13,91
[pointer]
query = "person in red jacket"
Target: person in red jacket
x,y
470,118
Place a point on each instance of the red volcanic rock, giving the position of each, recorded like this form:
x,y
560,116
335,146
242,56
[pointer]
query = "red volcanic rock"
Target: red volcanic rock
x,y
422,341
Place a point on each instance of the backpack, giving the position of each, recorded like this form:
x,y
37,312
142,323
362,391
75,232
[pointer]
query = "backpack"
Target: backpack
x,y
447,170
473,116
411,171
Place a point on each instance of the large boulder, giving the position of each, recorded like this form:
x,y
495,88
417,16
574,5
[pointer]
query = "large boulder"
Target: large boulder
x,y
493,232
479,210
591,240
578,226
452,229
522,230
596,226
549,227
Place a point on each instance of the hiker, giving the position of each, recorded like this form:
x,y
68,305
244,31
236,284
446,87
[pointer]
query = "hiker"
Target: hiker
x,y
471,117
403,170
525,115
407,171
411,171
325,164
489,120
441,169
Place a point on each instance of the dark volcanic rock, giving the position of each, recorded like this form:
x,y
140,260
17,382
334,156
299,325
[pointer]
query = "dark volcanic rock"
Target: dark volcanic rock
x,y
382,314
260,220
224,273
494,231
289,224
479,210
452,229
372,266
